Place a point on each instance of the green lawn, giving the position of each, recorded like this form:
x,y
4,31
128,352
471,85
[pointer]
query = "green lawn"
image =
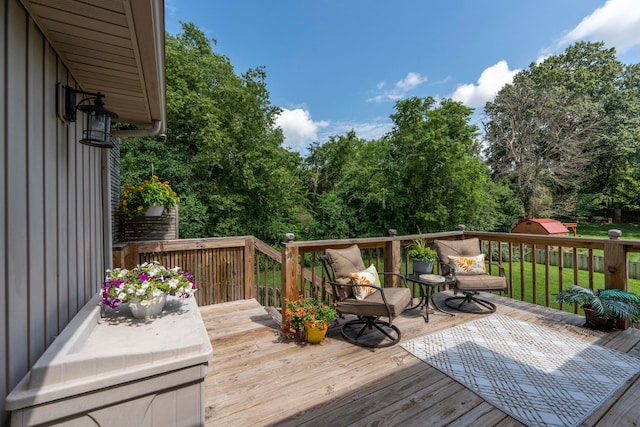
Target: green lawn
x,y
629,231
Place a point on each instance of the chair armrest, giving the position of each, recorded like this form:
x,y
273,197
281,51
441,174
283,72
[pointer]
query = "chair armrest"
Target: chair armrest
x,y
501,272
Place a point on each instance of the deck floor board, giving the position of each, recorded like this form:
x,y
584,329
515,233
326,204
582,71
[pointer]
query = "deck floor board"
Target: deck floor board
x,y
258,378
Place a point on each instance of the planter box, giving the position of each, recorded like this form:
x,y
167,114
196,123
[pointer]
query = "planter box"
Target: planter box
x,y
108,369
594,321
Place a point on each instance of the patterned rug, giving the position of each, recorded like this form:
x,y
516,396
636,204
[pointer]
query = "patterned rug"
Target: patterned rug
x,y
535,374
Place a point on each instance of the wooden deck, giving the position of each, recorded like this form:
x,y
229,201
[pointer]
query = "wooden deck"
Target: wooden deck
x,y
257,378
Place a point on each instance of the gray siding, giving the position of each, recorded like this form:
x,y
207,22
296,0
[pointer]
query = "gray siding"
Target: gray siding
x,y
53,247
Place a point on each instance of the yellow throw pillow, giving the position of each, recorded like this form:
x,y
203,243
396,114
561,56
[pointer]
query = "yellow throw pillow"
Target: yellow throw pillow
x,y
467,264
368,276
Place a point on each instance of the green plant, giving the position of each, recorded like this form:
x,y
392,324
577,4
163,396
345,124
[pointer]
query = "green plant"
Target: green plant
x,y
608,303
420,250
145,282
136,199
307,311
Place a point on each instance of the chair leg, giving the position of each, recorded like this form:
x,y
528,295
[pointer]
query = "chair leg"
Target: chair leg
x,y
470,304
387,336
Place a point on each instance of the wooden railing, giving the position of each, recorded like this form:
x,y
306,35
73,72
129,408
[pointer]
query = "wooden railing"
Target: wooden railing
x,y
529,279
233,268
222,267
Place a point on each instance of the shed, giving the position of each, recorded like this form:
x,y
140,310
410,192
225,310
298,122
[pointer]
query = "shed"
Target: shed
x,y
545,226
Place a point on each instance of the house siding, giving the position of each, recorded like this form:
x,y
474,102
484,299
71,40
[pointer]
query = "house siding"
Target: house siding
x,y
53,247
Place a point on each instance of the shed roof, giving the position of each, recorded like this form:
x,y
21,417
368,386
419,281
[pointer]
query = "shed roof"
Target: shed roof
x,y
551,226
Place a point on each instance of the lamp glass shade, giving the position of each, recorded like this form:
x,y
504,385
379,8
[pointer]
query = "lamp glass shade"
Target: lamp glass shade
x,y
97,126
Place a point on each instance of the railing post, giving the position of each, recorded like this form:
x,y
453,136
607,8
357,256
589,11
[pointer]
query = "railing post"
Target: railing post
x,y
393,258
119,254
615,260
615,267
132,256
289,273
249,267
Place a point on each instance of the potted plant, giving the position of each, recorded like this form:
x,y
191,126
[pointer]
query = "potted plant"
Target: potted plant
x,y
149,194
146,287
602,307
308,314
422,256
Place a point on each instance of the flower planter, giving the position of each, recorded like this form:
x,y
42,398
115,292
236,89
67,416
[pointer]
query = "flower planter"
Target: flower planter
x,y
147,308
155,210
422,267
596,322
315,335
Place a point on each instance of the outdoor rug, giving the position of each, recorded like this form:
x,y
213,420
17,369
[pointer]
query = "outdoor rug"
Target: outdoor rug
x,y
537,375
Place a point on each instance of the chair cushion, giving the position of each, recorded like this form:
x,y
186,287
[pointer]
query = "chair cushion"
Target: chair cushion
x,y
368,276
446,248
373,305
343,263
467,264
480,282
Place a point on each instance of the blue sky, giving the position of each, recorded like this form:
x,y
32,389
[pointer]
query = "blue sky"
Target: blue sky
x,y
338,65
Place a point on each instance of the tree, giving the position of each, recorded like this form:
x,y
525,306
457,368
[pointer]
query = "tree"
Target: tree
x,y
442,181
221,152
559,130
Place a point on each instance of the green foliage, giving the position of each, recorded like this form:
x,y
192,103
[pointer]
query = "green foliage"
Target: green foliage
x,y
309,312
568,126
137,198
609,303
574,149
420,250
221,150
441,179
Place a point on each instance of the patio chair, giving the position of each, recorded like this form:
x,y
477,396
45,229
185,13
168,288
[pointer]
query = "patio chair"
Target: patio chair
x,y
464,261
358,292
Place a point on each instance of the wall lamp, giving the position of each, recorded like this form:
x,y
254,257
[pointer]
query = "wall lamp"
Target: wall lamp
x,y
97,124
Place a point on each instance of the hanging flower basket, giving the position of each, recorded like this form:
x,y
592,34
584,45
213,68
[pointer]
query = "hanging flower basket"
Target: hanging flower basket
x,y
137,199
155,210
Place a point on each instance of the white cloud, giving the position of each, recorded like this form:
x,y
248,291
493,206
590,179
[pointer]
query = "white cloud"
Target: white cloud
x,y
490,82
298,128
617,23
410,82
401,88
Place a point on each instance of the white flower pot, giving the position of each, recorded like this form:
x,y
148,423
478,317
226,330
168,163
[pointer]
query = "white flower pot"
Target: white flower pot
x,y
155,210
148,308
